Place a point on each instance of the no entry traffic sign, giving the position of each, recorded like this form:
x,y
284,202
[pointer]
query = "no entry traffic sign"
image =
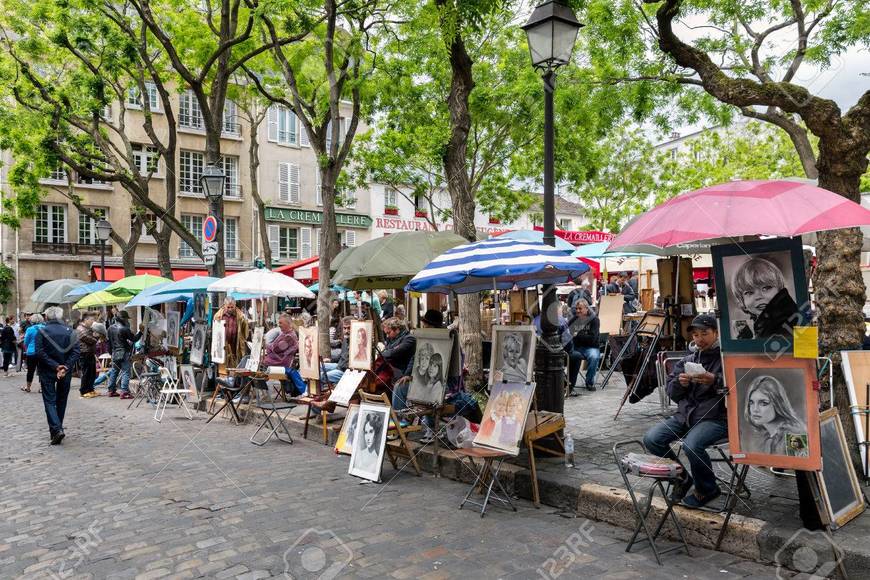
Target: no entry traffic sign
x,y
209,229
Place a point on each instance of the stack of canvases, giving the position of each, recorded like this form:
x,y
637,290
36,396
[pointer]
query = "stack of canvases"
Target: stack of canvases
x,y
769,362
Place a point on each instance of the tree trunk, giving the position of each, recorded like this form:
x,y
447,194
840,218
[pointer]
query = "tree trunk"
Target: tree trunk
x,y
328,250
461,193
164,261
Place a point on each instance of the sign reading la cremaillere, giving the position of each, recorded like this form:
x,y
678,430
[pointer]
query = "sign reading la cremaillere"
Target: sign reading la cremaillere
x,y
315,218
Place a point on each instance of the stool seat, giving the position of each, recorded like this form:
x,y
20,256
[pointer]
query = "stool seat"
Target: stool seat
x,y
480,452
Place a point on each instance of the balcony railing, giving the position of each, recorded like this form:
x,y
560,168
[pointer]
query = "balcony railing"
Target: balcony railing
x,y
69,249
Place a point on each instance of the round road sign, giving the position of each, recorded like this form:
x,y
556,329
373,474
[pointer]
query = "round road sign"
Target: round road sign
x,y
209,229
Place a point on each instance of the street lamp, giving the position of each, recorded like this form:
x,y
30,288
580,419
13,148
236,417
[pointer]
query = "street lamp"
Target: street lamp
x,y
104,230
551,32
213,182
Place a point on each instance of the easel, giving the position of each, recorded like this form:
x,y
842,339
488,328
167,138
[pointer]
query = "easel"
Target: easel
x,y
436,412
403,449
546,423
315,397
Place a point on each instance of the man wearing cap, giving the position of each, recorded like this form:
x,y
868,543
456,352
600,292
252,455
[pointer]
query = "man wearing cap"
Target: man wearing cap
x,y
700,420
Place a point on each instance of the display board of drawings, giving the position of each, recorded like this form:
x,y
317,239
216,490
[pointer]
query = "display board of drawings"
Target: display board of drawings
x,y
772,396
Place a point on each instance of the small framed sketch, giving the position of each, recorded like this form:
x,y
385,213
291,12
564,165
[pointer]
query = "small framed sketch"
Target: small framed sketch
x,y
369,441
218,342
513,354
344,444
346,387
173,317
431,365
188,381
841,493
309,366
256,350
360,345
197,343
773,411
762,292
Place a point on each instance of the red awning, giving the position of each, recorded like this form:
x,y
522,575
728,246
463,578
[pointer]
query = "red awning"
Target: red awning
x,y
302,270
702,274
115,273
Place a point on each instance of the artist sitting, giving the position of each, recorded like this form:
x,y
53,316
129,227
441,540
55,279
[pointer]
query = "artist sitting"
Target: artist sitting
x,y
281,352
333,371
397,359
700,420
584,327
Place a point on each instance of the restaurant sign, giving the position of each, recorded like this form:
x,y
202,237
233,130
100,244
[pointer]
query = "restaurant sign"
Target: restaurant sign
x,y
310,217
586,237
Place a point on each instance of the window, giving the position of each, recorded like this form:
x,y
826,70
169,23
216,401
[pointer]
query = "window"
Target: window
x,y
349,199
342,130
391,198
284,242
565,224
189,171
146,159
51,224
87,225
230,166
231,119
305,243
57,174
282,125
149,222
303,136
189,113
231,237
288,182
194,224
317,241
348,239
106,114
82,180
134,97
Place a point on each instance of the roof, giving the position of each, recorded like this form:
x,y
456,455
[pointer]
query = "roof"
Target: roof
x,y
562,205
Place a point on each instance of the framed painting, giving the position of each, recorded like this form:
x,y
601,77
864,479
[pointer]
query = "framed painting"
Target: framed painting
x,y
309,367
762,294
218,342
360,345
504,419
256,350
188,381
344,443
197,344
773,411
173,317
431,364
841,493
856,368
513,354
369,441
346,387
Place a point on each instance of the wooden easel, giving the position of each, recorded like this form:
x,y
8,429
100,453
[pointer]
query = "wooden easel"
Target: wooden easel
x,y
543,424
403,449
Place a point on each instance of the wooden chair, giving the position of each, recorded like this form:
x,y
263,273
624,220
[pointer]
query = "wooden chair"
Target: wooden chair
x,y
399,448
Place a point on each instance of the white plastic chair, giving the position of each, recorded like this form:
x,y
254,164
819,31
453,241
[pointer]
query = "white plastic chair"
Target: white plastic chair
x,y
169,391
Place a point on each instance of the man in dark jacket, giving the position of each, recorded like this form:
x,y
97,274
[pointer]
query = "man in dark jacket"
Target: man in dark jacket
x,y
701,418
87,360
57,352
584,327
122,341
399,353
333,371
388,307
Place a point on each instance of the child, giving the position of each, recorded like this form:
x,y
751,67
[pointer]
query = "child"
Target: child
x,y
759,287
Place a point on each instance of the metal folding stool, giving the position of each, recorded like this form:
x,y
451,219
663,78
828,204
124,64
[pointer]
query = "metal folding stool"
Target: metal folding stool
x,y
642,510
486,472
270,408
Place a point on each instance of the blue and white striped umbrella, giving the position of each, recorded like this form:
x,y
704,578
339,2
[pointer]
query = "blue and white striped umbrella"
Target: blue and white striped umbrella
x,y
496,263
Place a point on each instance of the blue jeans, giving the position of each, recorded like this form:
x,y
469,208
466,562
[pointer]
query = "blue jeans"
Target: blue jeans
x,y
332,373
400,394
592,355
695,442
123,368
55,392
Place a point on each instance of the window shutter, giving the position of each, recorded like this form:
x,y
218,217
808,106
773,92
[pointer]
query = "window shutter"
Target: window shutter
x,y
274,234
303,136
284,182
350,238
328,137
317,241
294,182
305,243
294,128
318,191
273,123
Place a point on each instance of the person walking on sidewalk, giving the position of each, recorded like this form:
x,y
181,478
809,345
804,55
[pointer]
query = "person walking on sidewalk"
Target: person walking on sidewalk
x,y
23,323
121,344
87,361
57,352
7,344
36,322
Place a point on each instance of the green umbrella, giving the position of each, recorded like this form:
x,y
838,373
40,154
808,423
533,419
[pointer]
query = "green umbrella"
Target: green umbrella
x,y
101,298
391,261
55,292
132,285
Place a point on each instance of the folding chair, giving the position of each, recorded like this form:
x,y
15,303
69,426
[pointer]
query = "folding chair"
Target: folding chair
x,y
148,383
228,390
736,484
270,408
486,477
170,390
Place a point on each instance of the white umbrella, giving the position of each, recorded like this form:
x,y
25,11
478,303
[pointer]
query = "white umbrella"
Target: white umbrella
x,y
263,283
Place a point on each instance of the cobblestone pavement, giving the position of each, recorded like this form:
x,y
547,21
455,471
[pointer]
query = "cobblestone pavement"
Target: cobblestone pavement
x,y
126,497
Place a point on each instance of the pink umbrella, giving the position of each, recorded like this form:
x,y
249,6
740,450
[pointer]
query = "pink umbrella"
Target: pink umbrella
x,y
729,212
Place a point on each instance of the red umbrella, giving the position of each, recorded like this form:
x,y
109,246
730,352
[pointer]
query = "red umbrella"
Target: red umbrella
x,y
737,209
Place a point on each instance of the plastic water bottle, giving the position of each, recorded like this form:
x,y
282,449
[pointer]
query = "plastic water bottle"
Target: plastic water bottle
x,y
569,450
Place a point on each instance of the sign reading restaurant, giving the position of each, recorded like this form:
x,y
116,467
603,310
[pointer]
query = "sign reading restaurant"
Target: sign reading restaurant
x,y
315,218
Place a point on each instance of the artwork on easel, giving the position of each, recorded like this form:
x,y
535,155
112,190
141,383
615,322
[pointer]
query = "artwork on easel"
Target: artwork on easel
x,y
344,444
197,343
513,354
346,387
309,353
610,314
172,366
369,442
188,380
360,345
841,495
218,342
504,418
856,368
173,317
256,350
431,365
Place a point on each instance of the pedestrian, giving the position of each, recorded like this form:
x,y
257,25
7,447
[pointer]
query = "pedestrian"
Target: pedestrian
x,y
7,344
36,323
235,332
57,352
388,307
22,330
121,344
87,358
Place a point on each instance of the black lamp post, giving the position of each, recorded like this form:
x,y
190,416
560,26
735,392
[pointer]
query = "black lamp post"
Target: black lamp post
x,y
551,32
213,182
104,230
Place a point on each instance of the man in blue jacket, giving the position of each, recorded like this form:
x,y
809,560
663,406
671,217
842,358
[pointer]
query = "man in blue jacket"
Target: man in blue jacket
x,y
701,418
57,352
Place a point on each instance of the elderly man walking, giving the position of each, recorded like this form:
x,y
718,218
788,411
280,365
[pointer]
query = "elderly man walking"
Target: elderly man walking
x,y
57,352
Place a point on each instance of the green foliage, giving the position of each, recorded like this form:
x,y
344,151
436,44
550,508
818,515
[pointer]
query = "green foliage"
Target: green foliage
x,y
7,277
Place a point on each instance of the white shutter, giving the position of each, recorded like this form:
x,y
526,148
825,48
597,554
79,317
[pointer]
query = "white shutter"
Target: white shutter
x,y
274,234
317,233
294,182
303,136
273,123
328,137
349,238
294,127
305,243
318,191
284,182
